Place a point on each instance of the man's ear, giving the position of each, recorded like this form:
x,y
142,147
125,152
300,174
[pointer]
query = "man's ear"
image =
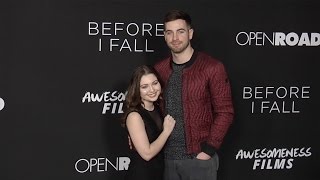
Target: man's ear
x,y
190,33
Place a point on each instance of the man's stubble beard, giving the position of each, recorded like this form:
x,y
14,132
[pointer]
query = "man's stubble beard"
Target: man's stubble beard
x,y
179,50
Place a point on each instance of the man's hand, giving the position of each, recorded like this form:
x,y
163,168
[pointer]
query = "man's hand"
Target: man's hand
x,y
129,142
203,156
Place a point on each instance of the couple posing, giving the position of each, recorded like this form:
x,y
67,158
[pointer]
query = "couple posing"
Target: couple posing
x,y
191,90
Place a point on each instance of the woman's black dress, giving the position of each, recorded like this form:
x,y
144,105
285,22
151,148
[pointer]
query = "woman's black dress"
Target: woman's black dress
x,y
140,169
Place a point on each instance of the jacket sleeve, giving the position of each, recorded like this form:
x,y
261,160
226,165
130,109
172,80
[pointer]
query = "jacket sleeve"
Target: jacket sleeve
x,y
221,101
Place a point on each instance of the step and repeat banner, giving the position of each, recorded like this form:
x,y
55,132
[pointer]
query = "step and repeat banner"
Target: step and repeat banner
x,y
65,66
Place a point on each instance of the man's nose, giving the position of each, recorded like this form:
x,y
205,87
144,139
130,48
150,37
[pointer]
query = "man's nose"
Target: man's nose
x,y
175,36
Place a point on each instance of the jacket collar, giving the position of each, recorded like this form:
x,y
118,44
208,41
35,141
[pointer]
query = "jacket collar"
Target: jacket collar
x,y
188,63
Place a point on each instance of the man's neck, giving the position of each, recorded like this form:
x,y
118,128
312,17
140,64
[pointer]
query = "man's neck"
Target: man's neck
x,y
183,57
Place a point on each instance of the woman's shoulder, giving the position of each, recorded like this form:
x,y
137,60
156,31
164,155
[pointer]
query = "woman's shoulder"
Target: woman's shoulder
x,y
134,119
134,115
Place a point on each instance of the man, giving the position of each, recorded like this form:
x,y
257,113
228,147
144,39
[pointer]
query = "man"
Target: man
x,y
198,96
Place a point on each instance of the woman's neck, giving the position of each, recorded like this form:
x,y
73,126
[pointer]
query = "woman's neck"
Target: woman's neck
x,y
148,106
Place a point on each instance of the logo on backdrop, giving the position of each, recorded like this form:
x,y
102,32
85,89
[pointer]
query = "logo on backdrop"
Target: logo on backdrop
x,y
1,103
101,164
112,101
278,39
270,99
123,36
266,159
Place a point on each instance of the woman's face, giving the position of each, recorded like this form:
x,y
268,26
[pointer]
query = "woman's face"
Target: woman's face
x,y
150,88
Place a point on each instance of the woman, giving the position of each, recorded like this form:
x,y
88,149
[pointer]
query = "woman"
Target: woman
x,y
147,131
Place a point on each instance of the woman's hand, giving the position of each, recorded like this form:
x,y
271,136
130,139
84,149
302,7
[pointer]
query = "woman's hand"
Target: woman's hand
x,y
168,124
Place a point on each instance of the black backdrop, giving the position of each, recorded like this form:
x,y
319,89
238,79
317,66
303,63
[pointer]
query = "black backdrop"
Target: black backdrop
x,y
64,68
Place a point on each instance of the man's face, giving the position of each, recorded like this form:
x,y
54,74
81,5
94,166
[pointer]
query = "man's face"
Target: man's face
x,y
177,35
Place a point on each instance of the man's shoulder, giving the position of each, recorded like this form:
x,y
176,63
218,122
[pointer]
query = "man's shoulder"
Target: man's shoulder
x,y
161,63
207,59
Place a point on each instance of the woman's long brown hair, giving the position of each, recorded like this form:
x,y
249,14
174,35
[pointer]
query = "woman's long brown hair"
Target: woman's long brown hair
x,y
133,99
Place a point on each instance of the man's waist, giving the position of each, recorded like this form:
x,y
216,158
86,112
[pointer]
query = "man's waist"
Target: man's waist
x,y
177,152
